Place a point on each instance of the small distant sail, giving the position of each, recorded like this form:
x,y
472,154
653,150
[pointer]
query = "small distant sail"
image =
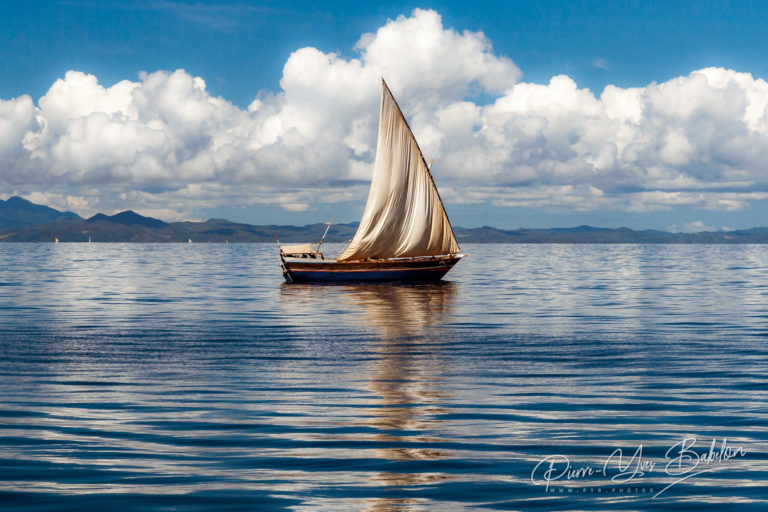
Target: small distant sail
x,y
404,215
189,240
55,240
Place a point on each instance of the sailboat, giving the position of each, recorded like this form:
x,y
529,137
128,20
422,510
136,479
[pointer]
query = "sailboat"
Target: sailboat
x,y
404,234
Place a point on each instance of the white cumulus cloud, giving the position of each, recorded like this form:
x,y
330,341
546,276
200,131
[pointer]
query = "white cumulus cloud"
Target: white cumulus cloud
x,y
164,142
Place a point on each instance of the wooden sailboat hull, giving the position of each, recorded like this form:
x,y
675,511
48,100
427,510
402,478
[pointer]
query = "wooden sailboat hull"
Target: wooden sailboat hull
x,y
332,271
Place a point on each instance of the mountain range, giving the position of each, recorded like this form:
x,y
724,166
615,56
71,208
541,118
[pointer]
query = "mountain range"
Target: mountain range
x,y
24,221
17,212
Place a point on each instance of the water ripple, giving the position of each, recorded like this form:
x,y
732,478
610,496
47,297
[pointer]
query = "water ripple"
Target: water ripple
x,y
188,377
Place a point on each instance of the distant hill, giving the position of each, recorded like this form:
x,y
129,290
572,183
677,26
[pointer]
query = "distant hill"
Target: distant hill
x,y
23,221
18,212
592,235
130,218
131,227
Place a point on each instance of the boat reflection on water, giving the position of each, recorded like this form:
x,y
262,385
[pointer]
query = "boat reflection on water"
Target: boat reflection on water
x,y
405,374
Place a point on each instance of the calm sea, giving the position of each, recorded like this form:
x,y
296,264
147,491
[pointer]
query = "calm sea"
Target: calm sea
x,y
536,377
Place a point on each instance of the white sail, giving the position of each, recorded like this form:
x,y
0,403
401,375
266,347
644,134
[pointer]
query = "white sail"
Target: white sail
x,y
404,216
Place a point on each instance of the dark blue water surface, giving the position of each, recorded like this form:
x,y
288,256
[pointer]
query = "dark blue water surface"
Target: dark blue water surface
x,y
189,377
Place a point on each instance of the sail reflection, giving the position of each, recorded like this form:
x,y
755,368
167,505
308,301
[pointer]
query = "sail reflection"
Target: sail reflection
x,y
406,372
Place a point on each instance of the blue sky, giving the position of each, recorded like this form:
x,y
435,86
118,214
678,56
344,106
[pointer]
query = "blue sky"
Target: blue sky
x,y
241,50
